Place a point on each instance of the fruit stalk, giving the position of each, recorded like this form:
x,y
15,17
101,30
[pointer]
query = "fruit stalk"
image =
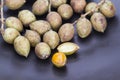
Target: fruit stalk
x,y
2,17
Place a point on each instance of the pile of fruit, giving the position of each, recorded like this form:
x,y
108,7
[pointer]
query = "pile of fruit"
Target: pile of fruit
x,y
50,34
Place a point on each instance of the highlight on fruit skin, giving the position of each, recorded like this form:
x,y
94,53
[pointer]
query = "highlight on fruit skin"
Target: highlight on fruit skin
x,y
40,26
42,50
65,11
108,9
14,22
59,59
55,20
40,7
66,32
99,22
26,16
10,35
33,37
57,3
78,5
22,46
14,4
84,27
68,48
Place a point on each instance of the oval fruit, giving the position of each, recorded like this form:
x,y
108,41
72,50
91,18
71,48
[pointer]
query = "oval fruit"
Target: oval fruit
x,y
68,48
57,3
10,34
22,46
51,38
42,50
99,22
40,26
66,32
84,27
13,22
33,37
26,17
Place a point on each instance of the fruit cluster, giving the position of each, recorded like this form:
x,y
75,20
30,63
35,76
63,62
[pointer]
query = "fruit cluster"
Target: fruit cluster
x,y
49,34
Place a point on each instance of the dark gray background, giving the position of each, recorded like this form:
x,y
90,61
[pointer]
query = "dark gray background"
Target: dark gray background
x,y
98,58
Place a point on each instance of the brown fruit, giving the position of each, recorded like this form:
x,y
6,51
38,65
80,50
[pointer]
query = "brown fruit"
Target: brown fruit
x,y
13,22
65,11
40,7
14,4
55,20
33,37
66,32
51,38
41,26
99,22
78,5
42,50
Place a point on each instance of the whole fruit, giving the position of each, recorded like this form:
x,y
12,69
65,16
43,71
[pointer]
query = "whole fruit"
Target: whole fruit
x,y
51,38
42,50
10,34
55,20
41,26
78,5
22,46
90,6
84,27
99,22
65,11
68,48
14,4
26,17
40,7
108,9
33,37
66,32
13,22
59,59
57,3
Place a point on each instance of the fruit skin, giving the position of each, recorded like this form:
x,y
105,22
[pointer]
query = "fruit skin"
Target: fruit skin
x,y
22,46
65,11
40,26
57,3
84,27
108,9
42,50
33,37
99,22
66,32
13,22
59,59
10,34
90,6
14,4
78,5
26,17
68,48
55,20
51,38
40,7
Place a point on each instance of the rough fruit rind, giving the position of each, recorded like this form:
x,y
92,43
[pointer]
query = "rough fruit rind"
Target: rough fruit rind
x,y
22,46
42,50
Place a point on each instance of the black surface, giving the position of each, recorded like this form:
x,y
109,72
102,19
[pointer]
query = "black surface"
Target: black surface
x,y
98,58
